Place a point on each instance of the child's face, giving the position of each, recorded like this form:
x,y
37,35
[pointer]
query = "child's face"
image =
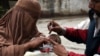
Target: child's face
x,y
47,46
55,38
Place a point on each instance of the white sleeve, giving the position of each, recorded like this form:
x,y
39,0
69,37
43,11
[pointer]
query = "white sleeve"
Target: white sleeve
x,y
83,25
96,55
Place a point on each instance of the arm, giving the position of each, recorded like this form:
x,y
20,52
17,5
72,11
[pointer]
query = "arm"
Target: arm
x,y
77,35
13,50
60,50
19,50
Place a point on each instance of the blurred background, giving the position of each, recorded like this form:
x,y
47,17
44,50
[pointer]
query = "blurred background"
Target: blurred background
x,y
51,8
66,12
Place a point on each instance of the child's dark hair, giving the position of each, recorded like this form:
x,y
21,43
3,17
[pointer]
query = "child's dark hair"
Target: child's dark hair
x,y
55,37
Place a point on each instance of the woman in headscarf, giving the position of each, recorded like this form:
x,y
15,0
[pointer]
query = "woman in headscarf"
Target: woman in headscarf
x,y
18,27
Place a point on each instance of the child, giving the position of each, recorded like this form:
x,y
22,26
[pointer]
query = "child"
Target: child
x,y
47,47
55,37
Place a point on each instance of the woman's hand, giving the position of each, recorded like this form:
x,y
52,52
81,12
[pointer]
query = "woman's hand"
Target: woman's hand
x,y
53,26
36,42
59,49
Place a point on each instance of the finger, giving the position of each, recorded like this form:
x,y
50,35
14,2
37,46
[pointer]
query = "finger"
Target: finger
x,y
51,23
53,42
50,32
55,29
49,26
54,23
47,40
54,46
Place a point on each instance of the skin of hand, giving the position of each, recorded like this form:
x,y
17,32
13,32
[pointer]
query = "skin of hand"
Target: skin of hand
x,y
35,42
53,26
58,49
